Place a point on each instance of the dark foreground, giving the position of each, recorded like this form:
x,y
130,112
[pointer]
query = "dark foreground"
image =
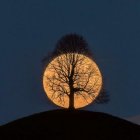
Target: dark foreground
x,y
64,124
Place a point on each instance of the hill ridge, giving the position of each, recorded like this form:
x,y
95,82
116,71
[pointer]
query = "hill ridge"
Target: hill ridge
x,y
59,124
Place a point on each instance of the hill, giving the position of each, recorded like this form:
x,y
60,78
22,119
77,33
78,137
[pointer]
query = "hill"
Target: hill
x,y
65,124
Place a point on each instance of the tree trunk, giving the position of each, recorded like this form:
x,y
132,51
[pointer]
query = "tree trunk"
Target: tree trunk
x,y
71,96
71,101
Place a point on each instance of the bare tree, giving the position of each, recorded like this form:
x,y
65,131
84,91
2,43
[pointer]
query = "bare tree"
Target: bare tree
x,y
72,74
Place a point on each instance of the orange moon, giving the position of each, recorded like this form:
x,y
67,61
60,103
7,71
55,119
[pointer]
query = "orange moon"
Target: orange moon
x,y
79,101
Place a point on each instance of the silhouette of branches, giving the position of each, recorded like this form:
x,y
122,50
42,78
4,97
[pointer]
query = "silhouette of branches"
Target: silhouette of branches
x,y
72,75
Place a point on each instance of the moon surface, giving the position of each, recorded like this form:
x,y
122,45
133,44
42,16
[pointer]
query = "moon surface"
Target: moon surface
x,y
79,101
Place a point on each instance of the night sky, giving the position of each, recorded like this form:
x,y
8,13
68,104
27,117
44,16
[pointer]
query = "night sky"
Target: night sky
x,y
29,30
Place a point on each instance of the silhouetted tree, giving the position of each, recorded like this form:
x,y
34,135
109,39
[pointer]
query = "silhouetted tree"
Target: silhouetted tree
x,y
70,78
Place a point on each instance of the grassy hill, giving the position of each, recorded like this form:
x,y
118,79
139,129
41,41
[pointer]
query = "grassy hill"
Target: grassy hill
x,y
65,124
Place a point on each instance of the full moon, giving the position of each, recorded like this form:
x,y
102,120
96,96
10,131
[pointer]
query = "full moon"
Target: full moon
x,y
80,100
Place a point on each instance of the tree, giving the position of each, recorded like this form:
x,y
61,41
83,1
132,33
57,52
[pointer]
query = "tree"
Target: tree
x,y
73,73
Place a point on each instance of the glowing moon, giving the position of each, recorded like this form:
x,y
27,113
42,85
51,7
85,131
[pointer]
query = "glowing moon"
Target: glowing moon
x,y
79,101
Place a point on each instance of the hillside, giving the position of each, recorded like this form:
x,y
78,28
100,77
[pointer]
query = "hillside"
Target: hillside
x,y
64,124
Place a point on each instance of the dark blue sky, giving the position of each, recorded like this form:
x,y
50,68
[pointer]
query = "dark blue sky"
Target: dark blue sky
x,y
29,29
